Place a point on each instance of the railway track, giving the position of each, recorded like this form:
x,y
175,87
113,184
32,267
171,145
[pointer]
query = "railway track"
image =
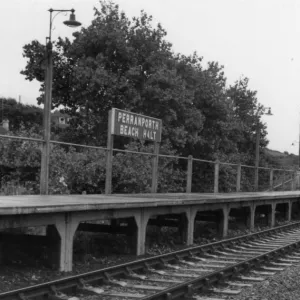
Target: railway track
x,y
207,272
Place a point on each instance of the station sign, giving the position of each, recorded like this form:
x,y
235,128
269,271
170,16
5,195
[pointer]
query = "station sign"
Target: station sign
x,y
134,125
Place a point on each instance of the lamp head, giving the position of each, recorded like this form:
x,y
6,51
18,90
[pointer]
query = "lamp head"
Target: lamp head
x,y
269,113
72,21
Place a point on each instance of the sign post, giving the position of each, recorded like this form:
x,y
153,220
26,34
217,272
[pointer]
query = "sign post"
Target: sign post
x,y
109,156
126,123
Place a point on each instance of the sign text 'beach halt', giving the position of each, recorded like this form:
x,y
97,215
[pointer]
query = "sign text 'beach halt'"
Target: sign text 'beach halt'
x,y
133,125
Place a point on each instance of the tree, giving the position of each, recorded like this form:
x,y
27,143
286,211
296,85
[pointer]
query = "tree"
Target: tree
x,y
129,64
20,160
117,62
20,116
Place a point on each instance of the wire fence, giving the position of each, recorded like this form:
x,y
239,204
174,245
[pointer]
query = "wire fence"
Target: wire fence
x,y
76,168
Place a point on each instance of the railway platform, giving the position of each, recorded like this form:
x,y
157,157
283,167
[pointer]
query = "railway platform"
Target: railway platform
x,y
64,214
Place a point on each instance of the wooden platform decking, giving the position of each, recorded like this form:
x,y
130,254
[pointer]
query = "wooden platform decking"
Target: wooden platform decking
x,y
34,204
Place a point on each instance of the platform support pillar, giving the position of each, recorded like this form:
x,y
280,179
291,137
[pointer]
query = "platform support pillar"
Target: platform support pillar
x,y
66,229
186,227
54,251
271,214
223,221
141,220
251,217
191,227
288,211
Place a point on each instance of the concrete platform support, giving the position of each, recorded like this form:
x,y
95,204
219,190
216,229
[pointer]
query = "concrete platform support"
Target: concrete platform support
x,y
183,228
54,250
251,217
132,234
186,227
288,211
141,223
271,214
223,217
66,229
191,227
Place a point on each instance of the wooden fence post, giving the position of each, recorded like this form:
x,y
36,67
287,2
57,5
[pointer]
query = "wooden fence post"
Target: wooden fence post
x,y
296,180
216,177
283,180
271,179
155,168
189,174
238,177
292,181
109,156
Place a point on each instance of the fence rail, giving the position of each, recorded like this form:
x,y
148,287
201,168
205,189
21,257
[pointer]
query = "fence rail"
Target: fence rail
x,y
215,169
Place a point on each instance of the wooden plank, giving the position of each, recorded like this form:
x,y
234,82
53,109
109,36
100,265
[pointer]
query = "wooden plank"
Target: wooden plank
x,y
164,273
210,265
215,260
226,291
289,260
249,278
239,284
223,257
206,298
263,273
281,264
146,287
272,269
164,280
181,275
122,295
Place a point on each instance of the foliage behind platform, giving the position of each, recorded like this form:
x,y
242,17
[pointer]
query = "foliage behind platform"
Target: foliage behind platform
x,y
128,63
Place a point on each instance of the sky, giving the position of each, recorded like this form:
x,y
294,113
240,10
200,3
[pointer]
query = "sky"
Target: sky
x,y
258,39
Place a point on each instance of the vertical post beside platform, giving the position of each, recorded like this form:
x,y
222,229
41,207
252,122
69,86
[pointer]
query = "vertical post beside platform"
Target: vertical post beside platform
x,y
155,168
283,180
288,212
216,177
45,153
271,179
109,156
238,177
189,174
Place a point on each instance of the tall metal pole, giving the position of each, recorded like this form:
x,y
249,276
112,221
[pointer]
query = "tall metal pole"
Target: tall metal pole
x,y
47,122
299,147
256,157
44,182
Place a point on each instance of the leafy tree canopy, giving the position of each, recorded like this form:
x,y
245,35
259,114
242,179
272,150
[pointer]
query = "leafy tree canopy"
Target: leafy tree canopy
x,y
20,116
129,64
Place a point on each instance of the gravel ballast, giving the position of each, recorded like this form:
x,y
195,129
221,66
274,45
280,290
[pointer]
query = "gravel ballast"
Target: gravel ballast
x,y
284,285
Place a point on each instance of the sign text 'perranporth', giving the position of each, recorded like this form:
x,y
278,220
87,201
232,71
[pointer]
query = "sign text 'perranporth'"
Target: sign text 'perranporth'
x,y
130,124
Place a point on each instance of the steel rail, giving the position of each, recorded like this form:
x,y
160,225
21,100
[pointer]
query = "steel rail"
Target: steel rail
x,y
48,289
188,288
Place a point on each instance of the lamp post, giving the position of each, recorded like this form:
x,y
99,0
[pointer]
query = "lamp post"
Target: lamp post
x,y
48,98
299,148
257,144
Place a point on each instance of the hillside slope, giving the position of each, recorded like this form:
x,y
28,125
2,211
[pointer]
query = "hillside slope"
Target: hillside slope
x,y
281,160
